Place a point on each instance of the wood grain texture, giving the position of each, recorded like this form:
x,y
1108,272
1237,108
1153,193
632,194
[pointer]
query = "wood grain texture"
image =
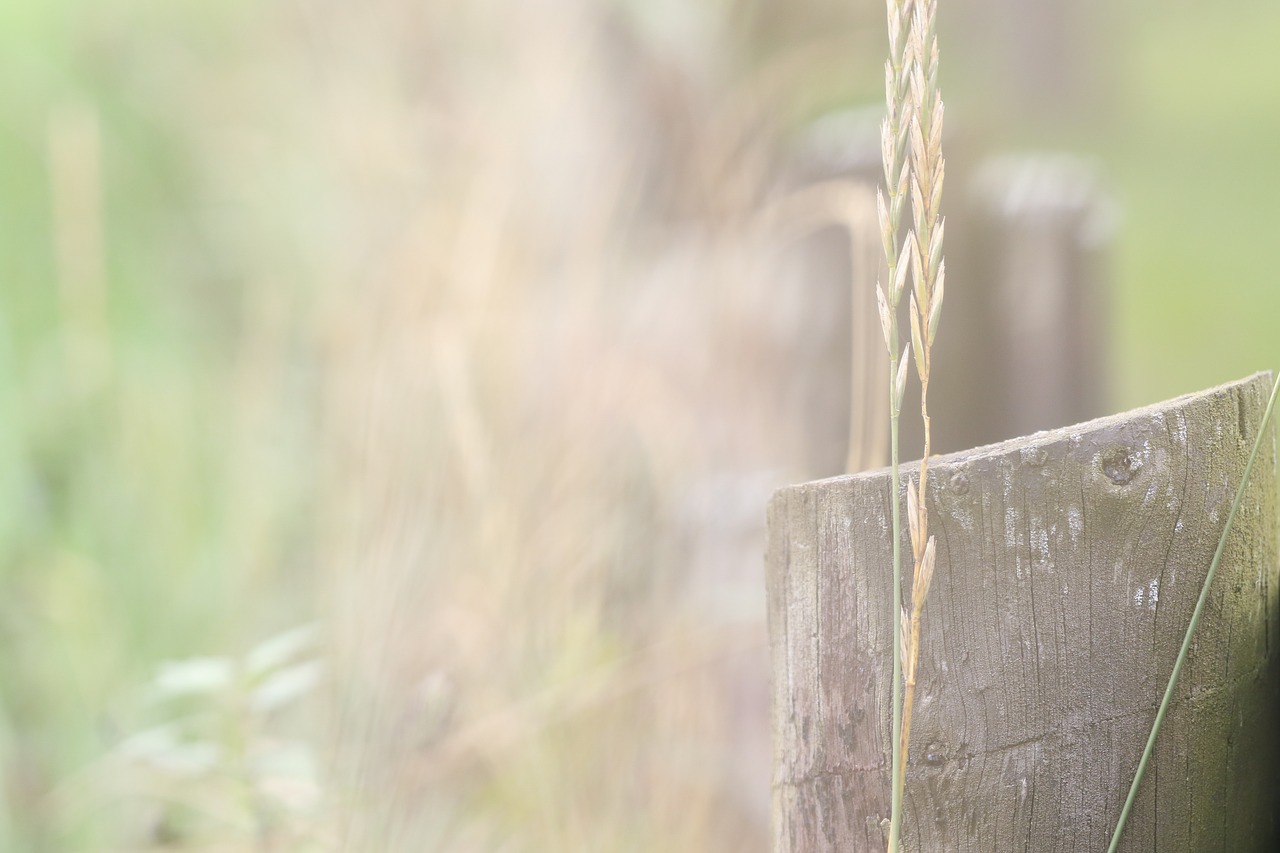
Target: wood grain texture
x,y
1068,566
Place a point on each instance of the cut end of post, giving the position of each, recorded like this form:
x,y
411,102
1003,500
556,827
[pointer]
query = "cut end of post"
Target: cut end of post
x,y
1068,566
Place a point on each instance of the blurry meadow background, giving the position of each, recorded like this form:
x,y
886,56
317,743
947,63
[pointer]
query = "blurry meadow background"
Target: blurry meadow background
x,y
390,392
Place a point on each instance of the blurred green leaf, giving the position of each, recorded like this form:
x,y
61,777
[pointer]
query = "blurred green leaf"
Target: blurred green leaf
x,y
196,675
286,686
279,650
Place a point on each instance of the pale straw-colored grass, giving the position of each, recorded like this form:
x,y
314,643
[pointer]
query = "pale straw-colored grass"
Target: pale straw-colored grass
x,y
927,169
893,143
491,313
913,125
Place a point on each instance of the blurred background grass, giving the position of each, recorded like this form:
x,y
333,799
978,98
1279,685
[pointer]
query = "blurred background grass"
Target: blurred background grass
x,y
442,326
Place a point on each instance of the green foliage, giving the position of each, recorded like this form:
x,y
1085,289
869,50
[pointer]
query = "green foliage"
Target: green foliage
x,y
121,521
209,766
1190,147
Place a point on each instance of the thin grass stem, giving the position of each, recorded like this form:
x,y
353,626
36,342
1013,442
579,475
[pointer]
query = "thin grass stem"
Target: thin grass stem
x,y
925,169
894,134
895,802
1191,627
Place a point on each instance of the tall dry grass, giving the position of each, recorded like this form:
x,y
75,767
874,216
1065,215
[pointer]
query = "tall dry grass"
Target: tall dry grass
x,y
504,287
930,269
519,395
911,152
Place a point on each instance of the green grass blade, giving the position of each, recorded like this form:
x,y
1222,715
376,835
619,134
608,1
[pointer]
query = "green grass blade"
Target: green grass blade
x,y
895,748
1191,627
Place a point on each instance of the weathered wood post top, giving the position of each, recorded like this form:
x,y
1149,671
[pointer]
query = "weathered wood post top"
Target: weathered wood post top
x,y
1069,563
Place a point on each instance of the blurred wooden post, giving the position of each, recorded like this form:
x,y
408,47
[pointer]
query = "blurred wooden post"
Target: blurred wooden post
x,y
1045,230
1023,349
1069,563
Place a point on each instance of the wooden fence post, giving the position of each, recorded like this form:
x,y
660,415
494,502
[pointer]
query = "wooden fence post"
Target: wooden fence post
x,y
1068,566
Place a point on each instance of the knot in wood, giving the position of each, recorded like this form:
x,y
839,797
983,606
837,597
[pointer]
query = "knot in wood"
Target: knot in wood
x,y
1121,464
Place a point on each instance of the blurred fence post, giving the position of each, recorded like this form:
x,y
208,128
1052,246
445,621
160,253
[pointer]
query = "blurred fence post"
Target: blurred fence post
x,y
1069,564
1045,231
1023,349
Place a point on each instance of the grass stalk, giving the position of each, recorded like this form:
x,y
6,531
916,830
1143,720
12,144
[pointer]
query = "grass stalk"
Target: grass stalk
x,y
1167,699
927,171
889,204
